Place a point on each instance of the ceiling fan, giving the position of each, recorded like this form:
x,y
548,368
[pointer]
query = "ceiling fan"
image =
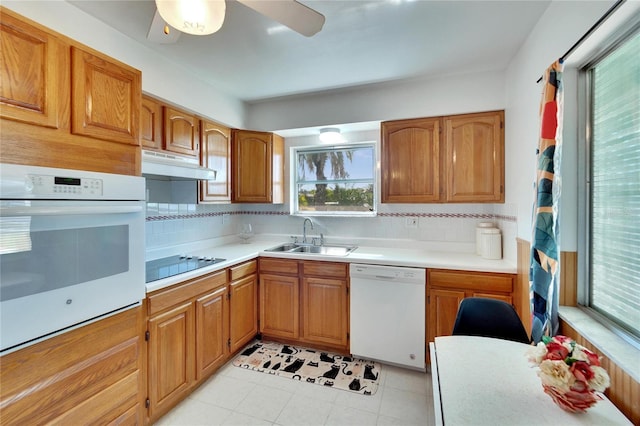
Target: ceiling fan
x,y
203,17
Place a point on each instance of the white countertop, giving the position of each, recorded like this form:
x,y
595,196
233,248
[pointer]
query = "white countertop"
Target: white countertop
x,y
388,252
490,381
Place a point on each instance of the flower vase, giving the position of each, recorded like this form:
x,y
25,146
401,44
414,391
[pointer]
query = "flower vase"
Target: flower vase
x,y
575,400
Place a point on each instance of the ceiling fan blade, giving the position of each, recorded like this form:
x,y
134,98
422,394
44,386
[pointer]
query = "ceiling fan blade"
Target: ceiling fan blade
x,y
290,13
157,32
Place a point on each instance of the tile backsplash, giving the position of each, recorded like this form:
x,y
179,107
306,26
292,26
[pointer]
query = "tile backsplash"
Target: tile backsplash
x,y
172,224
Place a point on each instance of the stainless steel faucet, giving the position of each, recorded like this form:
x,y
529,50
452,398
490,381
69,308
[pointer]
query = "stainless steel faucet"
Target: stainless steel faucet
x,y
304,228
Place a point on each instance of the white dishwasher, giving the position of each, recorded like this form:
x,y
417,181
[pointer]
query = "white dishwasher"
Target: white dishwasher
x,y
388,314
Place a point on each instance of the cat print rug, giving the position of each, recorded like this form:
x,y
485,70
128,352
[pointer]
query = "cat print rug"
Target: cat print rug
x,y
312,366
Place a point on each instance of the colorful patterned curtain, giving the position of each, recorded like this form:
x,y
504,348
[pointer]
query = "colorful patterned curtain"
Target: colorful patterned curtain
x,y
545,265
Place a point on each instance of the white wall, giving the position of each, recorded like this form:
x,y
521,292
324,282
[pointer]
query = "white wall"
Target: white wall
x,y
562,25
454,94
161,77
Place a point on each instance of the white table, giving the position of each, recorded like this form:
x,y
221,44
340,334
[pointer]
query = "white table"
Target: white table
x,y
479,380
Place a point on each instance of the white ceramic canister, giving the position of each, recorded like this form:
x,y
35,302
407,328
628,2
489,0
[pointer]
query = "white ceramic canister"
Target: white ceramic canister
x,y
479,227
491,243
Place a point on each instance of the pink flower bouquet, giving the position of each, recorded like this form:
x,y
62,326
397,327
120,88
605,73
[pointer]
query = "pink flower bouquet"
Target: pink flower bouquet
x,y
570,373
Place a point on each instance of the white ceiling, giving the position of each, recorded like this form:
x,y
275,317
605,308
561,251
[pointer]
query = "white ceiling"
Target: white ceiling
x,y
363,41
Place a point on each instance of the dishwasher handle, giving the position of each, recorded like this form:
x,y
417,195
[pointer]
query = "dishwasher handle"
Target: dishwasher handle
x,y
385,277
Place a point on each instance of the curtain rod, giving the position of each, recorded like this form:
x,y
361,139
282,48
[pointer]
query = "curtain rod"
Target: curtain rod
x,y
590,31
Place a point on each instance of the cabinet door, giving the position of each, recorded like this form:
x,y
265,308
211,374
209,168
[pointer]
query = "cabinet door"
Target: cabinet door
x,y
474,157
411,161
171,355
244,311
279,306
34,74
252,166
215,153
106,98
212,332
181,132
151,123
325,311
443,309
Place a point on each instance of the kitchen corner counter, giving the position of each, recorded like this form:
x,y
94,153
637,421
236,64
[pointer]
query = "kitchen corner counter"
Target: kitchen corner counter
x,y
417,257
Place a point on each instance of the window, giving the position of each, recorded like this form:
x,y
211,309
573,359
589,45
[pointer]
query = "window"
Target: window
x,y
613,185
334,180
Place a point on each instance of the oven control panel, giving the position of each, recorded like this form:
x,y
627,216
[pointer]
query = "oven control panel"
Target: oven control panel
x,y
64,186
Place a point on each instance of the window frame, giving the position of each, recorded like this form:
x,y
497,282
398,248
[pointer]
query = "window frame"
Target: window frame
x,y
585,135
293,163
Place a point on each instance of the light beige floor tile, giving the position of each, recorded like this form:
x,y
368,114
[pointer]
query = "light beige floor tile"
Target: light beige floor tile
x,y
405,405
343,416
408,380
191,412
370,403
264,403
302,410
320,392
392,421
223,391
239,419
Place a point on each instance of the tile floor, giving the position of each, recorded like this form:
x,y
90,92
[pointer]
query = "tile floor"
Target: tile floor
x,y
234,396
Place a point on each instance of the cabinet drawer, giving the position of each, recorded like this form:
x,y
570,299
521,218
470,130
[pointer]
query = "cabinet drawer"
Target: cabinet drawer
x,y
325,269
164,299
242,270
478,281
279,266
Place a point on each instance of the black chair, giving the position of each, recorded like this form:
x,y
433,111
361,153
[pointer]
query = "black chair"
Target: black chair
x,y
479,316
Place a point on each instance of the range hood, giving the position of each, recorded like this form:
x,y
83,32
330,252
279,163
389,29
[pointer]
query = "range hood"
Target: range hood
x,y
174,166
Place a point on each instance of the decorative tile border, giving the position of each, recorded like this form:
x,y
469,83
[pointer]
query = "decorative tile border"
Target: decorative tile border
x,y
487,216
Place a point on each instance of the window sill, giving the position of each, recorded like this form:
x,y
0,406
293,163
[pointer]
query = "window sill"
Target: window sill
x,y
622,353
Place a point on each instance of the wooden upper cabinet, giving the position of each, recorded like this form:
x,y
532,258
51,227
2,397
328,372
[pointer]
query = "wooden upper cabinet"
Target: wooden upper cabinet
x,y
181,132
474,157
215,153
257,167
151,123
411,161
106,97
34,74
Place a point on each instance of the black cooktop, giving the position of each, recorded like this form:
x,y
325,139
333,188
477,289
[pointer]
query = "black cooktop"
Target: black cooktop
x,y
174,265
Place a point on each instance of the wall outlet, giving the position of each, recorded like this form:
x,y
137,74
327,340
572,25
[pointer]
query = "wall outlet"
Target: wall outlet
x,y
225,218
411,222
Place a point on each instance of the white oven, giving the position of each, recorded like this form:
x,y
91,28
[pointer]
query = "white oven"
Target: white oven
x,y
71,250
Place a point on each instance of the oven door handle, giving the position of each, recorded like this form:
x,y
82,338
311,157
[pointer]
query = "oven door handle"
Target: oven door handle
x,y
64,210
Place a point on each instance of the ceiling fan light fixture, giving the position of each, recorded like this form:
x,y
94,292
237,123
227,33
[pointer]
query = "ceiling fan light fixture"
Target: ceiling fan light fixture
x,y
330,135
196,17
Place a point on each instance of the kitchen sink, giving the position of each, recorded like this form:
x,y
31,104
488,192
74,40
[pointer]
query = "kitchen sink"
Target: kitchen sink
x,y
326,250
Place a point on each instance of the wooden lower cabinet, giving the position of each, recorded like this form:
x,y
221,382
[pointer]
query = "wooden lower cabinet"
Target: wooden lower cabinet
x,y
279,306
443,309
325,303
188,338
90,375
447,288
171,357
305,302
325,311
243,301
212,332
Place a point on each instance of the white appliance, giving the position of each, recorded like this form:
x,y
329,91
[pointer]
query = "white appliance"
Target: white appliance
x,y
71,249
174,166
388,314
